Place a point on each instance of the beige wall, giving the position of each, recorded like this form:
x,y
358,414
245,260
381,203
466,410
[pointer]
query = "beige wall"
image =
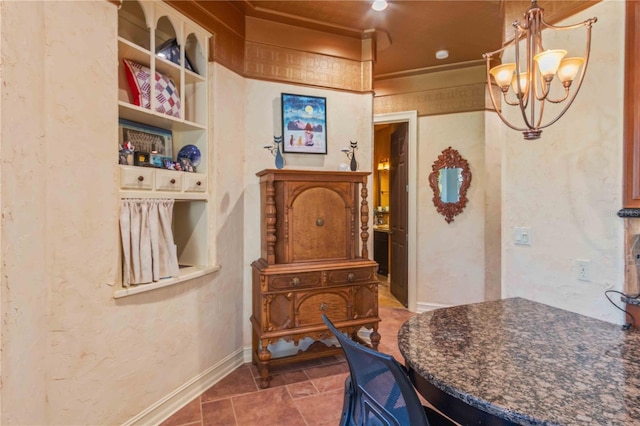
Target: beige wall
x,y
24,292
71,353
567,187
451,256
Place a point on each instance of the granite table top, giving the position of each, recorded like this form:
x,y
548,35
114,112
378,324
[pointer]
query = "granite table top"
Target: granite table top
x,y
528,363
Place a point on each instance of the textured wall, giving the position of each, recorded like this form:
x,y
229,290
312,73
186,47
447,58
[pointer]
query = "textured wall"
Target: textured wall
x,y
566,186
71,354
451,256
24,292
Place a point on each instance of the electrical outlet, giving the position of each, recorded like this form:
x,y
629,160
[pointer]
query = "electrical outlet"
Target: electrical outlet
x,y
583,269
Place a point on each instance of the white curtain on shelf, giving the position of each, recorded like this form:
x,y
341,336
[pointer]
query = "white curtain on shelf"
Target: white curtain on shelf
x,y
149,252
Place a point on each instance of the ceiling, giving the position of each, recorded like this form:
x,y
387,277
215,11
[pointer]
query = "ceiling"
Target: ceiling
x,y
408,32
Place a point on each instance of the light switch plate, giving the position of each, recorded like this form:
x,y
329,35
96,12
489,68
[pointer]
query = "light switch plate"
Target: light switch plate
x,y
522,236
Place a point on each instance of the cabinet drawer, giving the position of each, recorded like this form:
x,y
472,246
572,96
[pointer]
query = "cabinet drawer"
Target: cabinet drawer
x,y
195,182
350,276
136,178
168,181
294,281
311,305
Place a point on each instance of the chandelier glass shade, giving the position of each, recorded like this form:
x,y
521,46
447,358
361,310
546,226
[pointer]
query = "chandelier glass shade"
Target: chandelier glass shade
x,y
527,83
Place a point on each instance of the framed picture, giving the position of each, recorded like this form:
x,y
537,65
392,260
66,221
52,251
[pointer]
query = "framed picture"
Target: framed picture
x,y
304,124
138,137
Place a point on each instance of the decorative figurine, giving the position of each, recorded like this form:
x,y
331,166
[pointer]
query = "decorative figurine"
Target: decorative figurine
x,y
351,154
191,153
275,150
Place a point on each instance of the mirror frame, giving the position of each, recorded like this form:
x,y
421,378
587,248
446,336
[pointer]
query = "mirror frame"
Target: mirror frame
x,y
450,158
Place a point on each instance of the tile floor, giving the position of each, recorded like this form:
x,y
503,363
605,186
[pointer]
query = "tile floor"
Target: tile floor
x,y
307,393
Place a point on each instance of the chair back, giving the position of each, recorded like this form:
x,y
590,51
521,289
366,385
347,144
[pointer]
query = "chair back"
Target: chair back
x,y
382,393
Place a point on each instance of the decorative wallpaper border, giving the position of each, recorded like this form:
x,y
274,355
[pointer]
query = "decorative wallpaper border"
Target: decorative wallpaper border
x,y
472,97
275,63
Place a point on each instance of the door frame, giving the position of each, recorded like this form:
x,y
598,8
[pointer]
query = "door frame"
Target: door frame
x,y
410,117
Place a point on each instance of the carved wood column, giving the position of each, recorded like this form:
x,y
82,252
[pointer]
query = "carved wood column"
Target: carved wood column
x,y
270,221
364,219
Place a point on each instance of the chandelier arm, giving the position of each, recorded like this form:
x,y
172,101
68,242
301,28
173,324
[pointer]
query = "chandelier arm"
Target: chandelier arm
x,y
564,98
540,115
587,23
579,83
508,102
488,55
544,87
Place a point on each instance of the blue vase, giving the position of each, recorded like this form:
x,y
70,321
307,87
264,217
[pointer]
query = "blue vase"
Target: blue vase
x,y
279,158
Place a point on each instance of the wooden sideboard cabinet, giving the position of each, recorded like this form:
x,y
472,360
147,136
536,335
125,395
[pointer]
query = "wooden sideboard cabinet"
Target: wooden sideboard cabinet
x,y
314,260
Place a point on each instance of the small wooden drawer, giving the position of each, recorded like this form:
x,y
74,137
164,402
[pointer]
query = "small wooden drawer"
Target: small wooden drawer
x,y
136,177
168,181
350,276
195,182
311,305
294,281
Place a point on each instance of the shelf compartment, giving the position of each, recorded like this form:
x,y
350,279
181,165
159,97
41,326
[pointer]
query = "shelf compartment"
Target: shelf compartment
x,y
133,52
138,114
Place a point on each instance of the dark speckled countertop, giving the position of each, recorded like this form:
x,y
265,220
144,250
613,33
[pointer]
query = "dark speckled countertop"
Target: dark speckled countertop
x,y
528,363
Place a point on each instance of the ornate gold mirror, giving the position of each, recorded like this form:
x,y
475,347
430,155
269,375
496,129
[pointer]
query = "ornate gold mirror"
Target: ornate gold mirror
x,y
450,178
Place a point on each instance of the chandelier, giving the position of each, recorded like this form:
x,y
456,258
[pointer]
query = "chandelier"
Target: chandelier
x,y
530,78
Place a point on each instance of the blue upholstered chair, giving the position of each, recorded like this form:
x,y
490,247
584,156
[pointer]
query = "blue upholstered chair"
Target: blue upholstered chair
x,y
379,392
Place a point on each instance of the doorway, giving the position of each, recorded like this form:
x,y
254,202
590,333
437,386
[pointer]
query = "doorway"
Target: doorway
x,y
395,160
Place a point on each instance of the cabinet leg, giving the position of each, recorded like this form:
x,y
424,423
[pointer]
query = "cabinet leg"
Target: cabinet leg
x,y
264,356
375,338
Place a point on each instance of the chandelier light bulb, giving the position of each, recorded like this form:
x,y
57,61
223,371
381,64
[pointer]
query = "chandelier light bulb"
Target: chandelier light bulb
x,y
549,61
524,82
569,68
379,5
503,74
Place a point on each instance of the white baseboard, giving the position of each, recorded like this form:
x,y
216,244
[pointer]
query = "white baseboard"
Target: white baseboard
x,y
247,354
424,306
174,401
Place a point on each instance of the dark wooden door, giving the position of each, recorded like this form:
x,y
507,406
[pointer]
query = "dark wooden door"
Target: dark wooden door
x,y
398,175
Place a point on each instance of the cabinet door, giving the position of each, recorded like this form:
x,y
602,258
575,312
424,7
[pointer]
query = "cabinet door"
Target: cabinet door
x,y
279,311
321,221
365,301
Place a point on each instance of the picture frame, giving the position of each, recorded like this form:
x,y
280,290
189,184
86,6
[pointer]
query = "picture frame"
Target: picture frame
x,y
304,124
138,137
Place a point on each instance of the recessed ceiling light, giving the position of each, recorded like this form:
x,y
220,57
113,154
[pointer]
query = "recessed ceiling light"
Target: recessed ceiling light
x,y
442,54
379,5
